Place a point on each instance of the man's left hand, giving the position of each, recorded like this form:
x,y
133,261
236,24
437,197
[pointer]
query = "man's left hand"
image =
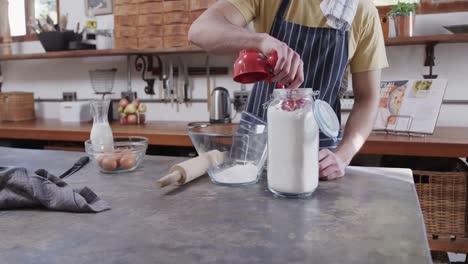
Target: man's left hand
x,y
331,165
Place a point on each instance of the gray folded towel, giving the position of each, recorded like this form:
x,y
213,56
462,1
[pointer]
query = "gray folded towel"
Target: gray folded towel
x,y
20,190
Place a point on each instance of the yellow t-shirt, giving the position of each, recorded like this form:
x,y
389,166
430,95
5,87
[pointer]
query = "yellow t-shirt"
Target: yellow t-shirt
x,y
366,43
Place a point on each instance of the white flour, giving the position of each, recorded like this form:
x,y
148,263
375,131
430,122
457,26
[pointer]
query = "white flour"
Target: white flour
x,y
293,141
237,174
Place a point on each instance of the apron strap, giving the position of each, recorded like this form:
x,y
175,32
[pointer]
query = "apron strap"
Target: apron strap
x,y
280,15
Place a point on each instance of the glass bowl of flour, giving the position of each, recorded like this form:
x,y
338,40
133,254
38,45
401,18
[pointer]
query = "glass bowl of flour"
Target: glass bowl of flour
x,y
244,146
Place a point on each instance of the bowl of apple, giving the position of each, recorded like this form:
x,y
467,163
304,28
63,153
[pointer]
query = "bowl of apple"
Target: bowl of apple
x,y
132,113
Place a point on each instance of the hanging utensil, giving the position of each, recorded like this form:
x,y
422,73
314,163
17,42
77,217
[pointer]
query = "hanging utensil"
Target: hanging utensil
x,y
165,81
180,93
165,77
171,82
192,87
208,82
176,88
161,77
182,73
186,82
159,88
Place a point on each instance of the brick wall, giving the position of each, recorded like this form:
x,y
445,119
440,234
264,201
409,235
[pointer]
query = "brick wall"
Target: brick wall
x,y
145,24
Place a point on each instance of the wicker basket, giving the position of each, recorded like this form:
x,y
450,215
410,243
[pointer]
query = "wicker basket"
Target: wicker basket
x,y
442,187
442,196
16,106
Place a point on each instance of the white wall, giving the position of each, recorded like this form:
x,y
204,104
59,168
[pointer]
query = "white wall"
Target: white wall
x,y
49,78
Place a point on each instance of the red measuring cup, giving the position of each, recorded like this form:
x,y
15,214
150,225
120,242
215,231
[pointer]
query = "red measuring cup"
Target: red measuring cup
x,y
253,66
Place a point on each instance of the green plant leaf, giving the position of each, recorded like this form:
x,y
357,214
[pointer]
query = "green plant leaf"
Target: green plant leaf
x,y
403,9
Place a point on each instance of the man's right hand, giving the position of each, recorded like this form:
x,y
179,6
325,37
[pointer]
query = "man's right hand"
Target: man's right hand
x,y
289,69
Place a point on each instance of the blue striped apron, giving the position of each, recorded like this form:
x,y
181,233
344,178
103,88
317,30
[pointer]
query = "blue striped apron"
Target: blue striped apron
x,y
324,52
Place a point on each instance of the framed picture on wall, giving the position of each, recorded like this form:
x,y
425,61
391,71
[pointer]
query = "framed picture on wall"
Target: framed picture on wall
x,y
100,7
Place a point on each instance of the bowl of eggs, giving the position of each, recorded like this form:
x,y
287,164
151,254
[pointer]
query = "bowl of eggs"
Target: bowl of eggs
x,y
125,155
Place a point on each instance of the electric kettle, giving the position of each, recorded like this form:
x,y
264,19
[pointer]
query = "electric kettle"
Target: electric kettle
x,y
220,110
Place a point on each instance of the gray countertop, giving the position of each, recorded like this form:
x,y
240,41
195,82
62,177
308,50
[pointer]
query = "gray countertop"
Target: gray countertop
x,y
370,216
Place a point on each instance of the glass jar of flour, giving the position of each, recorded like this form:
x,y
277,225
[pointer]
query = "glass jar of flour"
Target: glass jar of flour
x,y
294,120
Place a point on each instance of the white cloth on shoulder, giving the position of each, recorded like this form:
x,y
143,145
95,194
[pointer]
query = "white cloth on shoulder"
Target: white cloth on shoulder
x,y
339,13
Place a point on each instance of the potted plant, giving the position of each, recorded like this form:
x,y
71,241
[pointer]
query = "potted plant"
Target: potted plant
x,y
403,15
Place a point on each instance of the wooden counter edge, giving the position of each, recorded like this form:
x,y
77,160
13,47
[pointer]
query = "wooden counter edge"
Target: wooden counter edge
x,y
157,138
460,245
174,134
429,149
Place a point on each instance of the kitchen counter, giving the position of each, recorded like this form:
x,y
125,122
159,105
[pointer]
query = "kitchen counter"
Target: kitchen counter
x,y
445,142
370,216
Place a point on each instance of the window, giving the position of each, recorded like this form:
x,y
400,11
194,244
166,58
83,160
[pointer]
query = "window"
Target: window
x,y
17,15
22,12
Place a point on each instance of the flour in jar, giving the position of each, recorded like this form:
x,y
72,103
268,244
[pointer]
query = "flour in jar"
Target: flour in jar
x,y
293,142
237,174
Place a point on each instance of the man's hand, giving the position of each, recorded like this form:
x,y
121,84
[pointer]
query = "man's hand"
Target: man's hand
x,y
289,69
331,165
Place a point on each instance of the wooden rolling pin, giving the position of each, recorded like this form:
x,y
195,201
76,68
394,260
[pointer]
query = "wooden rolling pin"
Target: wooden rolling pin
x,y
191,169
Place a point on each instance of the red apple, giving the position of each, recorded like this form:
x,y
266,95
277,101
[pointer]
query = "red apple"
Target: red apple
x,y
123,120
123,103
132,119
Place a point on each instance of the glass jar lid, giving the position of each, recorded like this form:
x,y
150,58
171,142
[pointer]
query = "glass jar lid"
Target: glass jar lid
x,y
326,119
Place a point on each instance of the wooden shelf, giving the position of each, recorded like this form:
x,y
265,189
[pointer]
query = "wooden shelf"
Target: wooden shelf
x,y
422,40
96,53
417,40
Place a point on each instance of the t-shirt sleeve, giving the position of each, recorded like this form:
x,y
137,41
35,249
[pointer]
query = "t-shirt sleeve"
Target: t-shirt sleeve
x,y
370,49
248,8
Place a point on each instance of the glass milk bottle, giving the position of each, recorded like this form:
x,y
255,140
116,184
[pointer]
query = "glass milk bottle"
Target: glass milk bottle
x,y
293,141
101,132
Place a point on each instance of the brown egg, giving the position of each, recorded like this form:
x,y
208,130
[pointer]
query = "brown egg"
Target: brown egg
x,y
127,161
117,156
109,164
